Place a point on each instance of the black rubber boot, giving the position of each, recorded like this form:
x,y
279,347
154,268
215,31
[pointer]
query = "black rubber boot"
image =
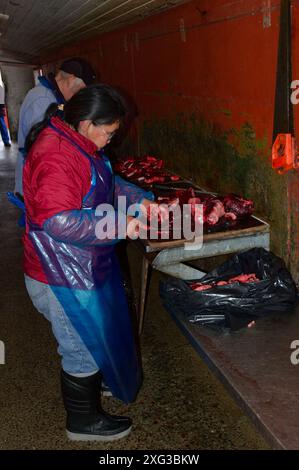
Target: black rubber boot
x,y
86,420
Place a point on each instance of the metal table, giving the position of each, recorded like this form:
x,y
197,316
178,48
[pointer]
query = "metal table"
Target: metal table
x,y
169,256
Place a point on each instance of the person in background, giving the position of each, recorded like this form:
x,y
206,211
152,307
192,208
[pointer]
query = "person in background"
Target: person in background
x,y
72,275
73,74
3,128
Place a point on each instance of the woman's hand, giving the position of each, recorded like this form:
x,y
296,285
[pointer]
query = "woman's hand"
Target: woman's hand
x,y
152,209
135,228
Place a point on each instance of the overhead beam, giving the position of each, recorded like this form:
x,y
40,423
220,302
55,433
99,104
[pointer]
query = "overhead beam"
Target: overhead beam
x,y
9,54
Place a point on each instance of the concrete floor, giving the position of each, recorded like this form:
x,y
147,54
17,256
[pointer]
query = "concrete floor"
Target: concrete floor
x,y
181,405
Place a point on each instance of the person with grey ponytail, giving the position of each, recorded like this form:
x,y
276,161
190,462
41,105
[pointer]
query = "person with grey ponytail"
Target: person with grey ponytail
x,y
71,76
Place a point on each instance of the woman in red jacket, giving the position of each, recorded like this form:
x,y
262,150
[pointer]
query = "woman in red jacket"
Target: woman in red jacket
x,y
72,274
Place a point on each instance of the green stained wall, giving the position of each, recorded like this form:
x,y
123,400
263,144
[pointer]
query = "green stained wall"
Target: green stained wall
x,y
232,161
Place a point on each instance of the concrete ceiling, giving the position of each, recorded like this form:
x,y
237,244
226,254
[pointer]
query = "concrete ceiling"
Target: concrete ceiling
x,y
34,27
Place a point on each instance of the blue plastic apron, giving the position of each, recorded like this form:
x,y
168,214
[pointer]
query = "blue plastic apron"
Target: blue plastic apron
x,y
87,282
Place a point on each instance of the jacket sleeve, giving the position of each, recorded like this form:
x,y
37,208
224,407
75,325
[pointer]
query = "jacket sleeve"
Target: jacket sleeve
x,y
85,228
133,194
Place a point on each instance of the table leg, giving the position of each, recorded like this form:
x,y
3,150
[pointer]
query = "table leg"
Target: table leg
x,y
143,292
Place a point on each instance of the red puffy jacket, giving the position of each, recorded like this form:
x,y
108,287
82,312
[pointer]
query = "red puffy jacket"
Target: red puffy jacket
x,y
56,178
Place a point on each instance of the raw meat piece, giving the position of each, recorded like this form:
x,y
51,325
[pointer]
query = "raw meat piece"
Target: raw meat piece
x,y
149,168
192,201
213,210
203,287
154,179
237,205
230,216
242,278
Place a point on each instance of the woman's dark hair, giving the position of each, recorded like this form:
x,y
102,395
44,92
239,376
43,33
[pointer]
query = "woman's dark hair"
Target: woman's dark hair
x,y
100,104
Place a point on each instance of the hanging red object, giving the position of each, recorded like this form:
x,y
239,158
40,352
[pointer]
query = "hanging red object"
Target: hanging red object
x,y
284,153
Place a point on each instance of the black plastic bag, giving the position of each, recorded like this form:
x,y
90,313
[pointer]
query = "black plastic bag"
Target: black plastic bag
x,y
235,305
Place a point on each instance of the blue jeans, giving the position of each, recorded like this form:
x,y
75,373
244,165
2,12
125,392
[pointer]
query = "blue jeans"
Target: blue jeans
x,y
76,359
4,131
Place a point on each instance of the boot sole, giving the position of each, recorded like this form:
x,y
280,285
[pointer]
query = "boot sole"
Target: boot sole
x,y
74,436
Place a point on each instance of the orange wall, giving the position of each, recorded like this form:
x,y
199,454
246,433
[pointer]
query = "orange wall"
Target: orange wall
x,y
227,61
223,68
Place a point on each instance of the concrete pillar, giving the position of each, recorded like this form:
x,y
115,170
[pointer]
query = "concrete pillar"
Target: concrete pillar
x,y
18,81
